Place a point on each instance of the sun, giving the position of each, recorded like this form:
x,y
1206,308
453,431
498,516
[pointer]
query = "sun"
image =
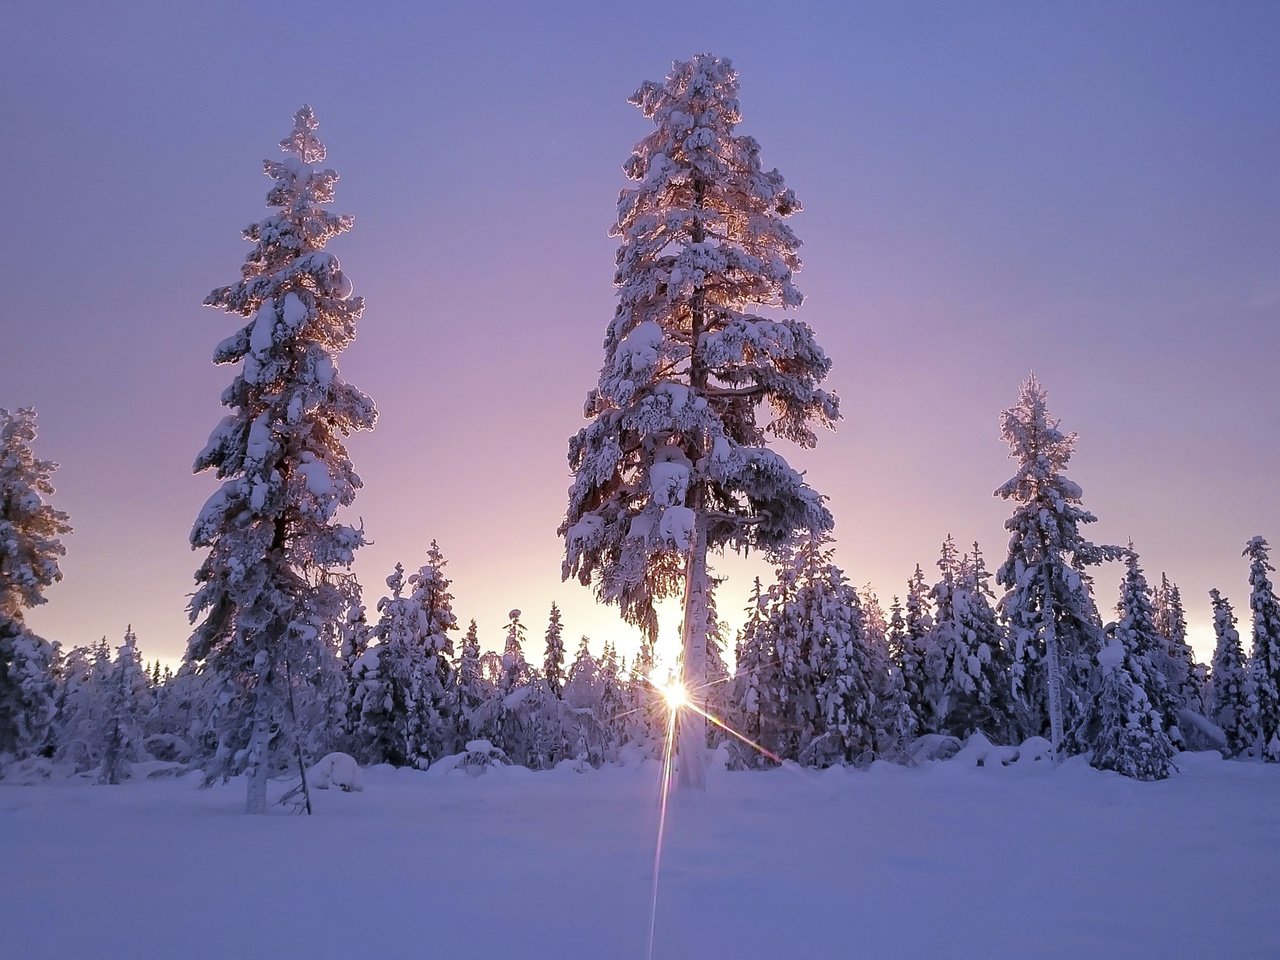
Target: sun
x,y
673,692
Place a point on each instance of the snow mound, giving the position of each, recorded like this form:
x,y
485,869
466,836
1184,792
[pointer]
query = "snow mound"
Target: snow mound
x,y
480,756
932,746
978,751
336,770
28,773
1035,748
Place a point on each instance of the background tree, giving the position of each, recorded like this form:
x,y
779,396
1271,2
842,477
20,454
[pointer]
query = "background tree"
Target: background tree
x,y
975,665
263,590
673,462
30,546
1124,731
918,656
1145,652
1264,662
128,701
1234,706
472,691
1053,624
1180,659
553,659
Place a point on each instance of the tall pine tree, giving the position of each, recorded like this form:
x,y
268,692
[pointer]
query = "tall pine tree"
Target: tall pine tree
x,y
1053,624
264,593
674,461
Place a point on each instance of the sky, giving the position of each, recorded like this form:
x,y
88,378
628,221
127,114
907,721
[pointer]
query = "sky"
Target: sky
x,y
1087,191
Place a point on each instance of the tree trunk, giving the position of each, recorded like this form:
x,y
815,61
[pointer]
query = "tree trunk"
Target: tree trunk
x,y
692,748
693,726
257,763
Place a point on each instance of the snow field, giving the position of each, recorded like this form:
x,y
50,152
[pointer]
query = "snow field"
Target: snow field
x,y
943,861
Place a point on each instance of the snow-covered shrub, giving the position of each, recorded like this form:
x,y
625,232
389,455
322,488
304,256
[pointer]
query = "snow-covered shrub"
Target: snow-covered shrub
x,y
336,770
480,755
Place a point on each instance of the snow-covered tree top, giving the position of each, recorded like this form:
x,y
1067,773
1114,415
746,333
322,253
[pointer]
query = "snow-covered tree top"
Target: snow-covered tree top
x,y
678,425
280,452
1048,519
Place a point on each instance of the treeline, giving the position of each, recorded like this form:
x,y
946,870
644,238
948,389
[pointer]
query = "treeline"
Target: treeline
x,y
824,674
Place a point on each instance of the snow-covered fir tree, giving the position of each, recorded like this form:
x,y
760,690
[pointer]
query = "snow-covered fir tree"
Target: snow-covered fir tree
x,y
1052,620
918,657
673,462
407,703
553,658
263,592
1264,660
1234,706
1124,731
514,728
31,532
81,705
355,633
897,723
1145,652
814,696
827,604
975,669
1180,660
590,738
472,691
128,702
755,681
717,698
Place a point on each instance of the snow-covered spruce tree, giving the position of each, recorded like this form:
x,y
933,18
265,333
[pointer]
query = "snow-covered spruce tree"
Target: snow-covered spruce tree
x,y
406,703
472,692
81,705
263,594
716,697
918,655
31,532
128,701
432,598
1264,661
1146,659
1179,659
825,620
673,462
588,736
1048,608
553,658
513,724
755,680
975,679
897,723
355,633
1123,730
1234,706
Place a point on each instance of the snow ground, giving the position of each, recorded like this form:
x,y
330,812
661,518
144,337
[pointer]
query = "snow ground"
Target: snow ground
x,y
947,860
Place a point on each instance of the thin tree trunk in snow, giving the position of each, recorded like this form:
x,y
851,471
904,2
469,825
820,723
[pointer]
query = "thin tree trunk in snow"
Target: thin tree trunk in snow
x,y
693,727
257,767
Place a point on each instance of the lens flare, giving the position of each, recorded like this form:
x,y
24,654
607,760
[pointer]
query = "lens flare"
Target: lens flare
x,y
677,697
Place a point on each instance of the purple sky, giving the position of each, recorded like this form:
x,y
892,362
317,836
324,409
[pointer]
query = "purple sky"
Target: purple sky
x,y
1090,191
